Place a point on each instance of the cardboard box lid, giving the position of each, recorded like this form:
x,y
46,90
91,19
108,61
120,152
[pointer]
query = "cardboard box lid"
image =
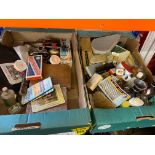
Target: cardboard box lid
x,y
56,120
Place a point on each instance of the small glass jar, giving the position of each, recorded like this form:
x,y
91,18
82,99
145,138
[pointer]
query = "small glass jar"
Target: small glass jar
x,y
8,96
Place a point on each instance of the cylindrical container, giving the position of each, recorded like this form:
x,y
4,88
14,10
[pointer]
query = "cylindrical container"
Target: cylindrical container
x,y
130,83
127,71
8,96
15,109
141,75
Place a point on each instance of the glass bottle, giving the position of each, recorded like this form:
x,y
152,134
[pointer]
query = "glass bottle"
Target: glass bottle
x,y
8,96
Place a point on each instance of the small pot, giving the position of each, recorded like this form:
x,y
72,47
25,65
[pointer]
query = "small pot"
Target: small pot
x,y
127,71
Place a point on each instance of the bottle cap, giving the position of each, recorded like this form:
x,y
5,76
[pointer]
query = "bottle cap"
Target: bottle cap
x,y
140,75
20,65
4,89
148,92
125,104
120,71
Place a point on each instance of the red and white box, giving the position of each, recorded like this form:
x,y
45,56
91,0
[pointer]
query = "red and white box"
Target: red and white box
x,y
34,69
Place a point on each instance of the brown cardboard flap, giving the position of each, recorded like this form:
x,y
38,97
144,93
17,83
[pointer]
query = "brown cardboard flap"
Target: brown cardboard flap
x,y
132,45
123,40
60,74
85,50
21,37
7,39
82,99
101,101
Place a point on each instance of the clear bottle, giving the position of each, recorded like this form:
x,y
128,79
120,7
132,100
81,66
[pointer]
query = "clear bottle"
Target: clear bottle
x,y
8,96
15,109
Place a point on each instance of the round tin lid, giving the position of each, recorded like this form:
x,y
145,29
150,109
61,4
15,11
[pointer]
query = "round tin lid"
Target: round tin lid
x,y
136,102
20,65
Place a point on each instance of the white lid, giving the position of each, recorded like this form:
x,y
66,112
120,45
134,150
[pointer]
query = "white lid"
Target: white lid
x,y
140,75
148,92
4,89
20,65
136,102
120,71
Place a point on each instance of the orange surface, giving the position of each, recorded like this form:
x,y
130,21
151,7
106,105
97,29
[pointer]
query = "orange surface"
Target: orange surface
x,y
98,24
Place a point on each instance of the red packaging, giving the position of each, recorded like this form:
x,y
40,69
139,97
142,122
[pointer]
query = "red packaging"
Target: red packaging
x,y
34,69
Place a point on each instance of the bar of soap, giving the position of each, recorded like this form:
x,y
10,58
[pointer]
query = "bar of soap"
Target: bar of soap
x,y
93,82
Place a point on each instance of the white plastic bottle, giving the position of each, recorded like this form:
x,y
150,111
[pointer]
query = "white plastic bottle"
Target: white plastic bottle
x,y
8,96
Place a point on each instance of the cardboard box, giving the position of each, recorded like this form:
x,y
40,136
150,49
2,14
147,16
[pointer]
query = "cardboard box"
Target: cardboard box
x,y
73,120
108,120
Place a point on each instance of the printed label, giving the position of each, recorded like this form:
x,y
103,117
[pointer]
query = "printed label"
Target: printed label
x,y
81,131
103,127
